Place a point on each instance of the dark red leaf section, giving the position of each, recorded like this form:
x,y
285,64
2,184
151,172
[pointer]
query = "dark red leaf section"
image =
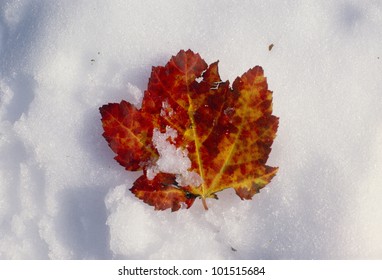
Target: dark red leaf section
x,y
162,192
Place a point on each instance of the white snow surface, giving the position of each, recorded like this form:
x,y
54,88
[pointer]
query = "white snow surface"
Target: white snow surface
x,y
63,196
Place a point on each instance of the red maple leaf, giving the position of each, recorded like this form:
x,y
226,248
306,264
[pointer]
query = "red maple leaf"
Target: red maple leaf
x,y
222,136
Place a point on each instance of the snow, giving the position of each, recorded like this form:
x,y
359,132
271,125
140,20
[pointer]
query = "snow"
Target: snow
x,y
172,160
63,196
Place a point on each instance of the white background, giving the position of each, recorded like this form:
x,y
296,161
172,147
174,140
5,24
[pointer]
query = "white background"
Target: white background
x,y
111,269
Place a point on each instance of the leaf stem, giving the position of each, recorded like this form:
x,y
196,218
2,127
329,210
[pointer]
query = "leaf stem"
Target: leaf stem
x,y
204,203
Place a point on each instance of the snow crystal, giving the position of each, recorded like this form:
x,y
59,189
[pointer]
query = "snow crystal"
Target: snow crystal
x,y
171,159
189,178
166,110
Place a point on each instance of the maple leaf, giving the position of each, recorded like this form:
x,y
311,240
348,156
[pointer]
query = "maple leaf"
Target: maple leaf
x,y
224,134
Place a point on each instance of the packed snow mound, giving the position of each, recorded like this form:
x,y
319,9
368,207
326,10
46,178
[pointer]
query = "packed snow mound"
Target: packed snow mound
x,y
172,160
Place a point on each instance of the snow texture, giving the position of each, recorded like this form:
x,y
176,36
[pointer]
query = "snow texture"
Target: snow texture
x,y
172,160
63,196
